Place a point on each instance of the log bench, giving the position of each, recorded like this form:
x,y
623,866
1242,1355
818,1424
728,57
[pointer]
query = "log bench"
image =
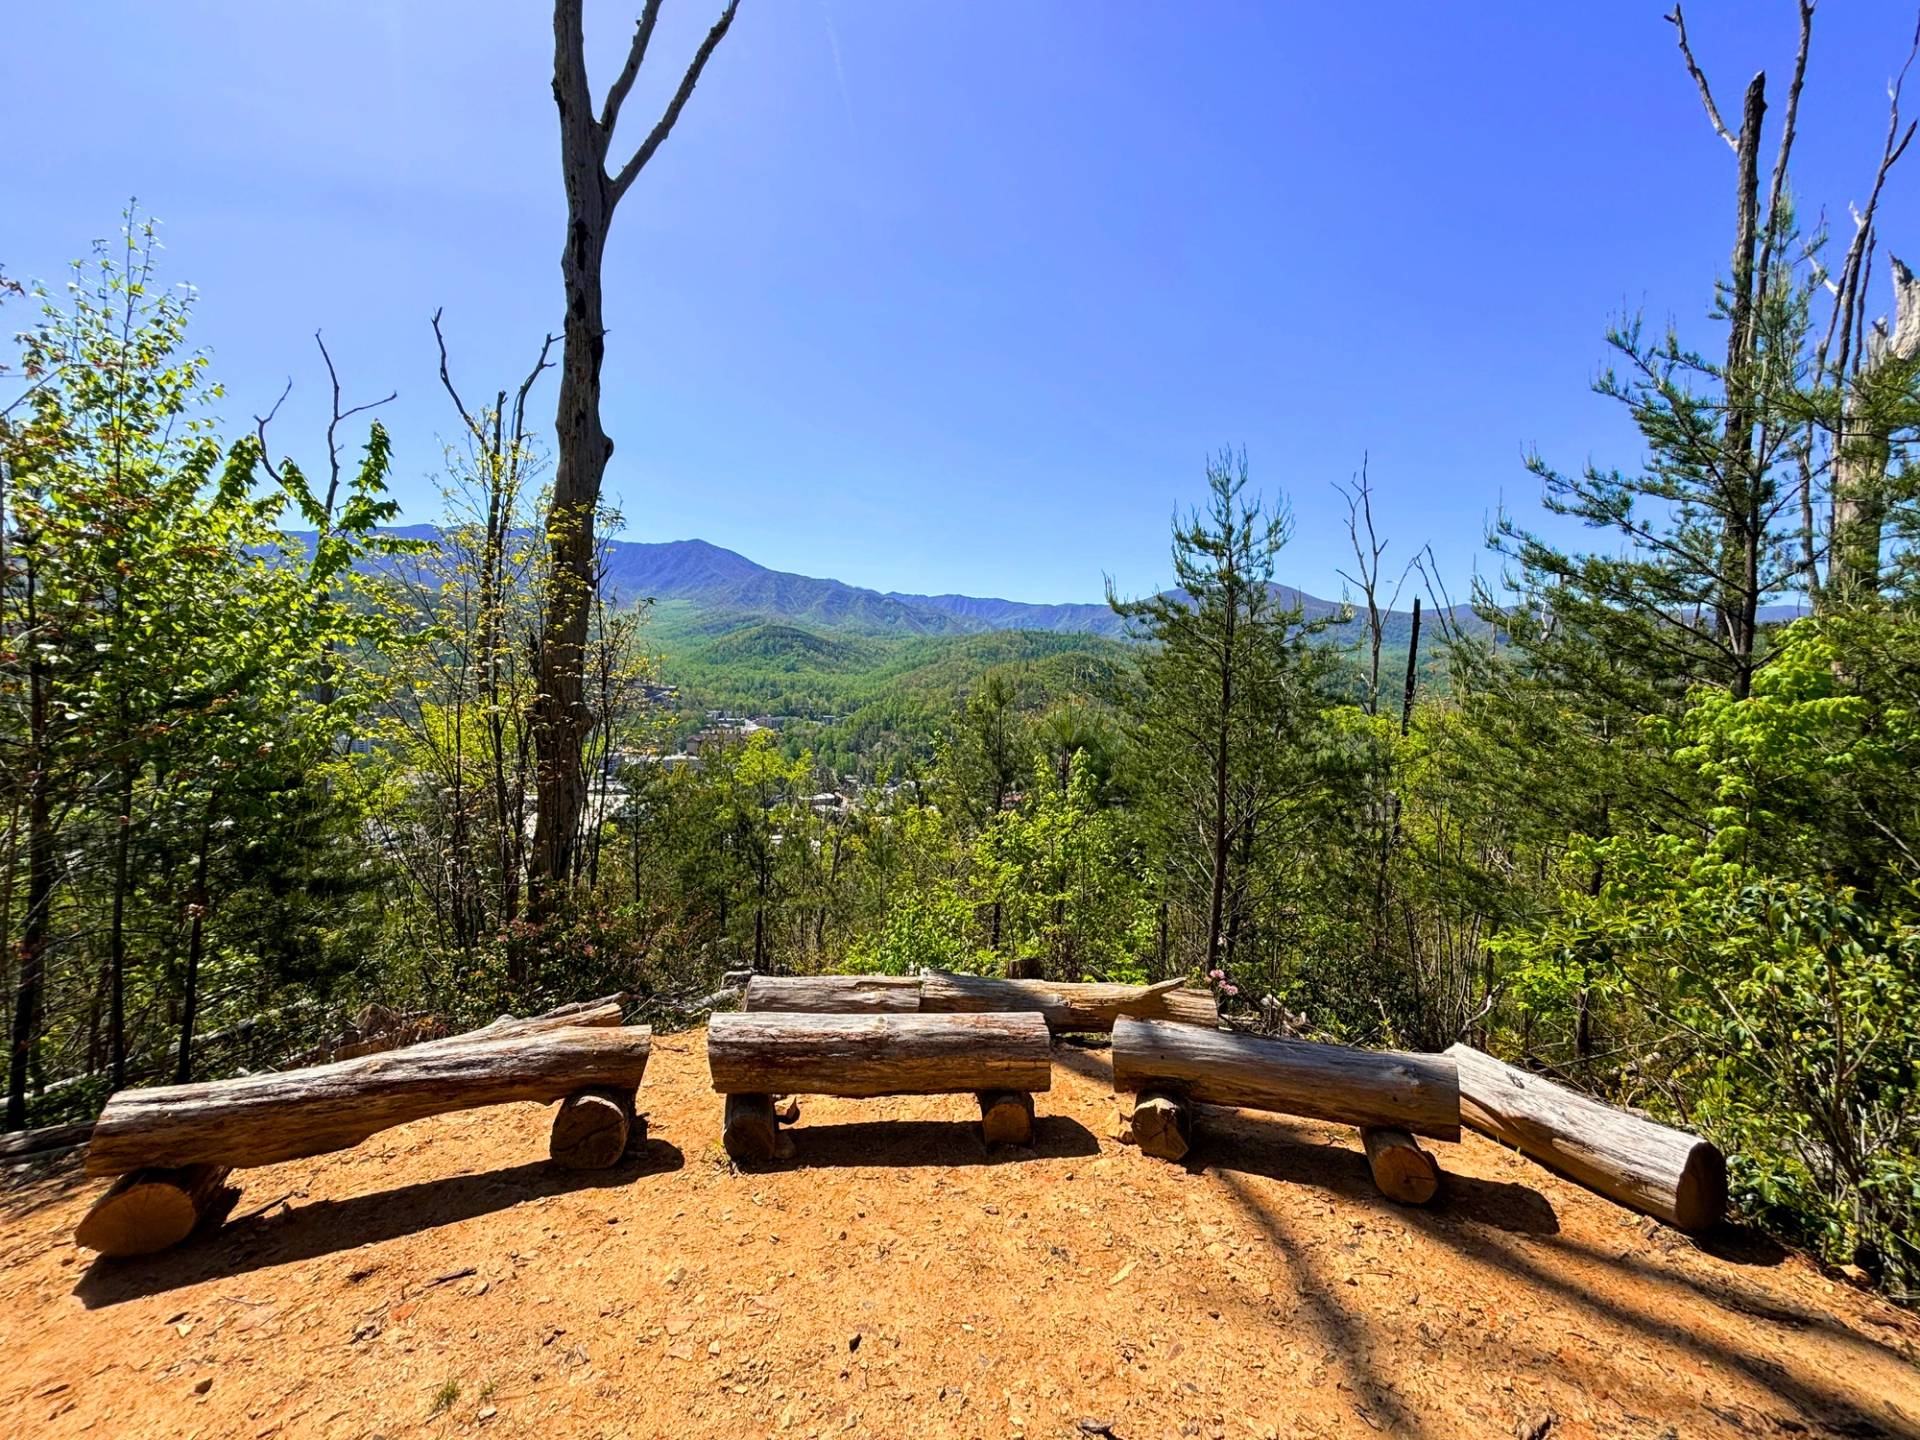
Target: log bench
x,y
1067,1007
753,1056
172,1146
1633,1161
1390,1096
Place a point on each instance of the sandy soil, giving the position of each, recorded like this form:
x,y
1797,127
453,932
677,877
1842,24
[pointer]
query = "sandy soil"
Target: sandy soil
x,y
895,1280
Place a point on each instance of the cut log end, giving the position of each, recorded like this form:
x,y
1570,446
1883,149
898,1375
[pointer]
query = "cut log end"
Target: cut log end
x,y
592,1128
1401,1169
1006,1117
148,1210
751,1131
1700,1198
1162,1125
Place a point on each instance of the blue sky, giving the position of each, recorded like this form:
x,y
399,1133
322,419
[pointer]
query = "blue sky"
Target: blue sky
x,y
942,296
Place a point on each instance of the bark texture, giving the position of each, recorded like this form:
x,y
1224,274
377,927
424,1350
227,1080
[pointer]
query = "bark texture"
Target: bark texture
x,y
1417,1093
1066,1007
1639,1163
866,1055
592,1128
266,1118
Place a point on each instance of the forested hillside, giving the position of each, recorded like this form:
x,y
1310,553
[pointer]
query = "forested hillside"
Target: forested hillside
x,y
1619,820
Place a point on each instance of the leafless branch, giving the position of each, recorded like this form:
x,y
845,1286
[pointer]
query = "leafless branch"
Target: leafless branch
x,y
1679,23
674,106
261,422
636,55
333,425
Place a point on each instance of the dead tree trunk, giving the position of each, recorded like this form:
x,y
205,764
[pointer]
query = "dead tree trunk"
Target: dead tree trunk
x,y
561,718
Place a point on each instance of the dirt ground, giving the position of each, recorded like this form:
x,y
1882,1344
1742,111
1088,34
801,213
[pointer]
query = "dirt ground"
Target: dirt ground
x,y
895,1280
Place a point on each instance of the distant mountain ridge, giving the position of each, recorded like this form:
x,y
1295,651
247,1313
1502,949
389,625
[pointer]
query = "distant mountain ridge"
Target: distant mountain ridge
x,y
725,582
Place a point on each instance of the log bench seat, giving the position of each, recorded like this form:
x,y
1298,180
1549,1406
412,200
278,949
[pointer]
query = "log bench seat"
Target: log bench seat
x,y
1002,1058
172,1146
1391,1096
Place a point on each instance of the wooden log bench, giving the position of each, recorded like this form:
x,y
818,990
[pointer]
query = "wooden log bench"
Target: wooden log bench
x,y
1390,1096
1633,1161
1067,1007
1002,1058
173,1146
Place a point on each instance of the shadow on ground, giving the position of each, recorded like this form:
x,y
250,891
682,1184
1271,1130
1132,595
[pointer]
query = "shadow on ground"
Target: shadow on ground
x,y
901,1143
305,1232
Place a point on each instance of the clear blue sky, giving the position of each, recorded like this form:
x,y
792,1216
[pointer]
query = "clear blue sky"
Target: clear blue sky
x,y
945,296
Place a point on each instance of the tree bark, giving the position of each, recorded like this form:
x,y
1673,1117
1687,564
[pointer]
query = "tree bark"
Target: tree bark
x,y
1417,1093
1066,1007
750,1129
1863,449
866,1055
1639,1163
561,718
263,1119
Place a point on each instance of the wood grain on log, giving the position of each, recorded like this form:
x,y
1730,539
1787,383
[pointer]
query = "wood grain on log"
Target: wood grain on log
x,y
833,994
1162,1125
592,1128
1006,1117
1401,1169
1068,1007
862,1055
605,1011
1419,1093
750,1131
1638,1162
263,1119
148,1210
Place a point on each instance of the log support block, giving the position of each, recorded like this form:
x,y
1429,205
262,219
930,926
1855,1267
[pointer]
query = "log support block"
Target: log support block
x,y
592,1128
1401,1169
1006,1117
752,1131
1162,1124
148,1210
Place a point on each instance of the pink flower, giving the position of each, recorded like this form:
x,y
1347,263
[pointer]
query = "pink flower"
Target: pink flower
x,y
1216,974
1229,989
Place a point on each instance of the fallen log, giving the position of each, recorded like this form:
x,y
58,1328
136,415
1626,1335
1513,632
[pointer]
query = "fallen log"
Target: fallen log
x,y
1417,1093
592,1128
1006,1117
1067,1006
148,1210
1401,1169
1162,1125
832,994
607,1010
1640,1163
285,1115
865,1055
16,1143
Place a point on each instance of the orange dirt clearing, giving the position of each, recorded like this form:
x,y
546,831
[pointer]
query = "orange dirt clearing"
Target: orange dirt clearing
x,y
895,1280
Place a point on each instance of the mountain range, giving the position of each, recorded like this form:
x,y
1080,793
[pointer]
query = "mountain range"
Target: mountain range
x,y
724,582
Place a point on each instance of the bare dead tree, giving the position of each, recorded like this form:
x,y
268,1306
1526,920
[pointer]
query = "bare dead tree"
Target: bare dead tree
x,y
562,718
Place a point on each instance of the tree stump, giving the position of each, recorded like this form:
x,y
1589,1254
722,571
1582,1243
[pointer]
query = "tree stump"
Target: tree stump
x,y
1401,1169
752,1132
1162,1125
1006,1116
148,1210
592,1128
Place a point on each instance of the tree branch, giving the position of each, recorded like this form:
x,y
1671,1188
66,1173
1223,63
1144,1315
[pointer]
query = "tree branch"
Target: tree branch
x,y
1679,23
636,55
674,106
